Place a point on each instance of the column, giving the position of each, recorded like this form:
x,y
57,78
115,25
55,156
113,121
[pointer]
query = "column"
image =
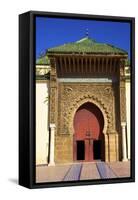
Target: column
x,y
107,152
124,147
128,103
52,144
122,93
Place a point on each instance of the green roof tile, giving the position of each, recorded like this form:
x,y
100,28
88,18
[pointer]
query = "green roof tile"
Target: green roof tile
x,y
127,62
86,45
43,60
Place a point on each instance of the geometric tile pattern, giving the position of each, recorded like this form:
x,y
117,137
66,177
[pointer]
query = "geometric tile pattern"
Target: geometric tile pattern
x,y
82,171
73,173
105,171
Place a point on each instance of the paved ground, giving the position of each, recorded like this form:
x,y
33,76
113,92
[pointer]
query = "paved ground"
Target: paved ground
x,y
82,171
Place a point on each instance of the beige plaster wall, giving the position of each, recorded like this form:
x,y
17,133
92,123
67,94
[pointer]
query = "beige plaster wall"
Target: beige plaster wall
x,y
42,133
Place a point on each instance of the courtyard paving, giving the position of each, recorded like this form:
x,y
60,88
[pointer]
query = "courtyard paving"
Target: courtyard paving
x,y
82,171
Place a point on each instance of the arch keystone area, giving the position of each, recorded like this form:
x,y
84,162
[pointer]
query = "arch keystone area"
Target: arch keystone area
x,y
84,99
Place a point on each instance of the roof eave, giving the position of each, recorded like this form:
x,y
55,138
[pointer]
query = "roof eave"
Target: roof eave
x,y
87,53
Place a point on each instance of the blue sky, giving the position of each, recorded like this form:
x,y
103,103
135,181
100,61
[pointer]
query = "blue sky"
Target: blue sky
x,y
51,32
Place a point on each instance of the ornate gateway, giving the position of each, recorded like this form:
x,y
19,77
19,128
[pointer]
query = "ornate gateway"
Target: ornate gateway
x,y
87,102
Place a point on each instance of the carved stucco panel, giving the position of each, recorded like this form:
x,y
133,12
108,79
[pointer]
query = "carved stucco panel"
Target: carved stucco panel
x,y
72,96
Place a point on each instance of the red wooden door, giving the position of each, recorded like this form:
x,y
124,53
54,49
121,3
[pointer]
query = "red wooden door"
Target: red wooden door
x,y
88,123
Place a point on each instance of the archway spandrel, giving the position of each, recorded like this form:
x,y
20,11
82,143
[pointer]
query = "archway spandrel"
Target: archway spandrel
x,y
73,96
81,102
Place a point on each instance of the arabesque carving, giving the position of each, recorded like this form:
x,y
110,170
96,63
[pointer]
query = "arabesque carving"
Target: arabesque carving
x,y
72,96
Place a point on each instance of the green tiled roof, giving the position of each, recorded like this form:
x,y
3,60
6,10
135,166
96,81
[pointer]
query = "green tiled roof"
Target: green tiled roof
x,y
127,62
86,45
43,60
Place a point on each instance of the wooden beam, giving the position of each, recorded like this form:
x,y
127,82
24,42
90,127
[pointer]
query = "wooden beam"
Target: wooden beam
x,y
86,65
102,67
98,65
61,65
111,61
82,65
114,65
94,64
90,67
73,67
90,55
111,65
106,67
78,67
69,69
65,64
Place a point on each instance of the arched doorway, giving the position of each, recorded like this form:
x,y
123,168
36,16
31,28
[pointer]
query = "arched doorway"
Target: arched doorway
x,y
88,136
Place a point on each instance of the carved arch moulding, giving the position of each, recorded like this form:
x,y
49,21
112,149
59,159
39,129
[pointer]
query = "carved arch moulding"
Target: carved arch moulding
x,y
80,101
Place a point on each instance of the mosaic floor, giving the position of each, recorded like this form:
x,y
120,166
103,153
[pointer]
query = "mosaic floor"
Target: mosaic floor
x,y
82,171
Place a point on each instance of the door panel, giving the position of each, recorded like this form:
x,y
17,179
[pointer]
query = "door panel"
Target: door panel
x,y
88,150
88,125
97,149
80,150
